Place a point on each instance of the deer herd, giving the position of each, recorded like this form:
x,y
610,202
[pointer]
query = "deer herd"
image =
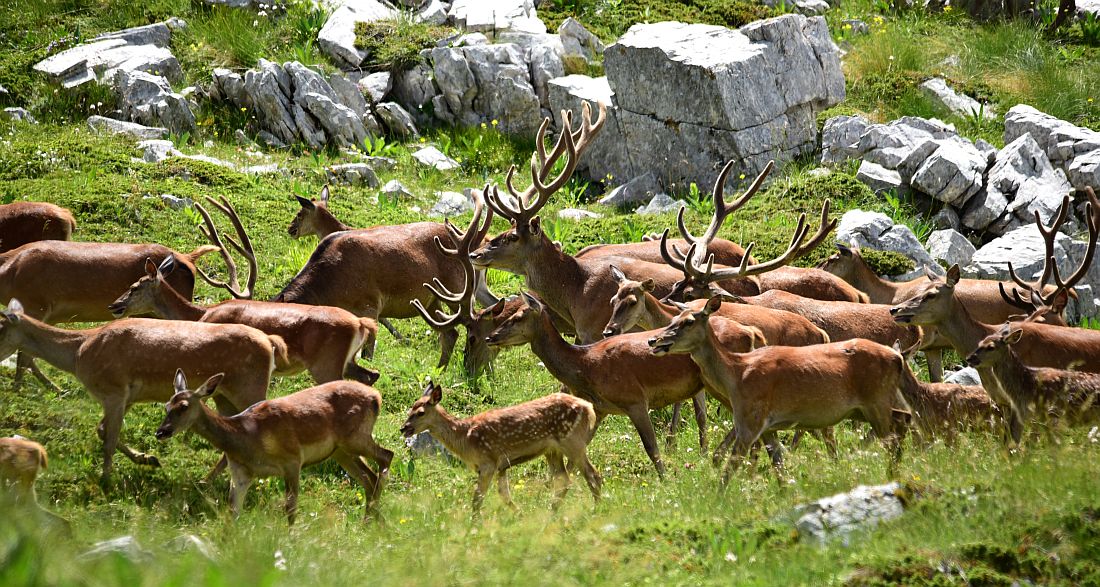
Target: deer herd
x,y
654,324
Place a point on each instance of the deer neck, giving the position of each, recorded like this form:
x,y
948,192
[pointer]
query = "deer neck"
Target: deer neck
x,y
454,434
555,277
657,314
173,306
328,224
562,360
1015,378
56,346
719,370
878,289
962,330
226,434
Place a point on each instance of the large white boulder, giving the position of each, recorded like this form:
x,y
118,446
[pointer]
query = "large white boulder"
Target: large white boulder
x,y
337,37
1069,147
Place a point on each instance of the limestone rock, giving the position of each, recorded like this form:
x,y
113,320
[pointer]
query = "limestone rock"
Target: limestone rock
x,y
661,204
496,16
606,155
432,157
484,83
946,97
1074,149
875,230
947,217
890,144
964,376
157,150
580,46
130,129
577,214
451,204
376,85
951,247
395,190
125,546
142,48
840,516
18,114
396,119
840,138
639,189
1025,249
148,99
1020,182
881,179
952,173
354,174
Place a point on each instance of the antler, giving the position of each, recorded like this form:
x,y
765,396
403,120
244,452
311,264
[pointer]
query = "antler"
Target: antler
x,y
1050,265
464,242
799,246
721,212
244,248
570,143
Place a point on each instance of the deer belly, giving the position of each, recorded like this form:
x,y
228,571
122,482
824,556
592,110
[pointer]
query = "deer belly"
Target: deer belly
x,y
317,452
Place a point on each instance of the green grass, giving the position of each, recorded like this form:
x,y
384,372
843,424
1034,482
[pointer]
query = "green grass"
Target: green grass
x,y
609,19
395,44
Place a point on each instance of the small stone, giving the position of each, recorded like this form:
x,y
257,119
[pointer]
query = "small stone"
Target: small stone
x,y
354,174
432,157
811,7
947,217
173,202
880,179
855,26
964,376
126,546
185,543
130,129
18,114
946,97
396,119
577,214
375,86
660,204
394,190
640,189
451,204
157,150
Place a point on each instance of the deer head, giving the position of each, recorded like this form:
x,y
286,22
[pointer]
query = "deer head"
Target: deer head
x,y
628,303
845,263
424,412
521,327
934,302
687,332
9,317
312,217
185,406
510,250
141,298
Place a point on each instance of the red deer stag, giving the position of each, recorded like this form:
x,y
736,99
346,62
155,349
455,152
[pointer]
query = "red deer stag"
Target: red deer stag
x,y
558,426
28,222
774,387
277,437
618,374
133,360
320,339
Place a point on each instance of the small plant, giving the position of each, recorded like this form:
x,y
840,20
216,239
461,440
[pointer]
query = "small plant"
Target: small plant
x,y
1089,27
395,44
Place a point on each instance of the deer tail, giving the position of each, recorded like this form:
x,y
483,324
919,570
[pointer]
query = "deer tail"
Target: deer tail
x,y
280,351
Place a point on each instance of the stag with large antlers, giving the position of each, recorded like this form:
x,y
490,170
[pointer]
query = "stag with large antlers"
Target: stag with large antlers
x,y
320,339
618,375
133,360
570,286
28,222
777,387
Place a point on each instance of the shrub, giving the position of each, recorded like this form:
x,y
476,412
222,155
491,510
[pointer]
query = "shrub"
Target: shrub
x,y
395,44
888,262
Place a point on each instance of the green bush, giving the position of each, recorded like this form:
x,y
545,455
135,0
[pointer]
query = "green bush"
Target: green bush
x,y
887,262
610,24
395,44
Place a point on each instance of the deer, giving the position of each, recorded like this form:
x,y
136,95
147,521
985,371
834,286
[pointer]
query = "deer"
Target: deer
x,y
776,387
21,462
1062,393
28,222
315,218
66,281
556,426
132,361
618,374
320,339
277,437
566,284
946,407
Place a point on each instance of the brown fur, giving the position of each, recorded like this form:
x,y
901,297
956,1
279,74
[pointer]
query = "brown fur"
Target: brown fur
x,y
320,339
1072,395
811,387
842,320
277,437
314,218
946,407
617,374
133,360
28,222
490,443
21,461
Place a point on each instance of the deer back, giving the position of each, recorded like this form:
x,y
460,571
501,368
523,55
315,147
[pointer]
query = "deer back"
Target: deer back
x,y
65,281
811,283
843,320
27,222
375,271
518,433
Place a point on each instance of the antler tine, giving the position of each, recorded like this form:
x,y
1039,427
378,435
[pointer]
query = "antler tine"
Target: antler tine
x,y
499,205
538,175
677,262
443,248
721,209
1048,233
454,231
1084,267
244,247
483,230
443,292
1014,299
824,228
745,270
447,321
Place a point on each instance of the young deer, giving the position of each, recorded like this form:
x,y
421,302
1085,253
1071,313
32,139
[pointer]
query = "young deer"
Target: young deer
x,y
1062,393
774,388
947,407
314,218
21,461
27,222
618,374
277,437
132,360
556,426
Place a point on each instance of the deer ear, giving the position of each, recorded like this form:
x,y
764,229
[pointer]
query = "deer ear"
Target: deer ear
x,y
180,382
618,274
437,394
535,225
306,204
1014,336
324,195
13,311
209,386
897,345
843,250
150,267
712,306
953,275
648,284
531,301
167,266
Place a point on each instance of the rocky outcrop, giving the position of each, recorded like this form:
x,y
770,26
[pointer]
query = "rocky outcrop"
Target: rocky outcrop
x,y
950,247
121,127
947,98
1073,149
1021,181
840,516
483,83
874,230
148,99
337,37
494,16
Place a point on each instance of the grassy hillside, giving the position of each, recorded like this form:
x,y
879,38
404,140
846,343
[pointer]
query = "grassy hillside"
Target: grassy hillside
x,y
978,514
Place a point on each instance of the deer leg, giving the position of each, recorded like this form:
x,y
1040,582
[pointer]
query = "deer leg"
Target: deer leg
x,y
138,458
393,330
292,480
639,416
828,436
25,362
355,372
741,448
484,478
361,473
935,364
239,482
559,476
699,402
111,427
673,425
716,458
504,489
775,451
366,446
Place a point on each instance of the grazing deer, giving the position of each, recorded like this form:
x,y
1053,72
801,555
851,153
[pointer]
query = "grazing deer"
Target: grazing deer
x,y
320,339
1063,393
28,222
813,387
566,284
132,360
946,407
277,437
618,374
556,426
314,218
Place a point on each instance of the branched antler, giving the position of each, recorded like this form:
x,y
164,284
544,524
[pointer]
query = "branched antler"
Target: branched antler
x,y
243,247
